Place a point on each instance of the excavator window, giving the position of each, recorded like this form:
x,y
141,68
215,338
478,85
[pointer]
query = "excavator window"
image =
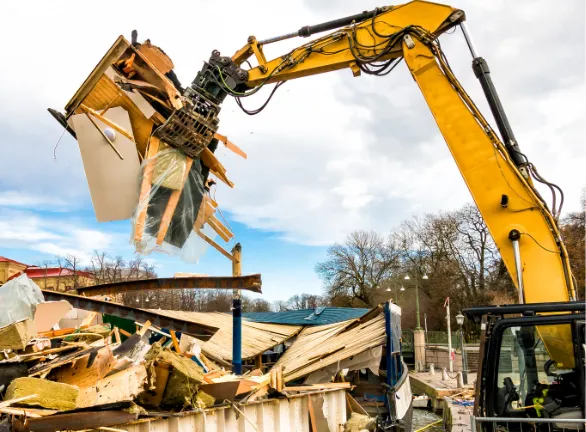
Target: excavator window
x,y
530,382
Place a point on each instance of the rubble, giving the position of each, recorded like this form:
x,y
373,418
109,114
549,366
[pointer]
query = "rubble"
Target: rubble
x,y
98,375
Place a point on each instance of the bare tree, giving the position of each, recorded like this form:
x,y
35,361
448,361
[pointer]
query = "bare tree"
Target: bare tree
x,y
255,305
306,301
280,306
356,269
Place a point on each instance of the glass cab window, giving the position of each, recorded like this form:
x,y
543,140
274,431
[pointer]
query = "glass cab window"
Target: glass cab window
x,y
538,375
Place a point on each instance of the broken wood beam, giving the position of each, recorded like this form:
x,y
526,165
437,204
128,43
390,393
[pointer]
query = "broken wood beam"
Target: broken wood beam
x,y
120,387
80,420
108,122
248,283
201,331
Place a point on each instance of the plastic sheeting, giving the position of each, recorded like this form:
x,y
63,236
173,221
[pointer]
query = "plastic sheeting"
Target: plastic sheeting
x,y
18,300
170,206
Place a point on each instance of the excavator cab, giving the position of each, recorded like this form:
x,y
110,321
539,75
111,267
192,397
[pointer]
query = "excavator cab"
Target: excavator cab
x,y
526,384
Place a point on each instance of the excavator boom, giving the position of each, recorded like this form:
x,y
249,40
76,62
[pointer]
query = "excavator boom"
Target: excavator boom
x,y
496,172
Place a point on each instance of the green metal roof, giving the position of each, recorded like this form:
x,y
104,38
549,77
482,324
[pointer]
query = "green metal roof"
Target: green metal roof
x,y
318,316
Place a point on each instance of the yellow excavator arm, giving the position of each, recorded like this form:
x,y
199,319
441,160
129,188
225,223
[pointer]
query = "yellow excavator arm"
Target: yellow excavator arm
x,y
497,174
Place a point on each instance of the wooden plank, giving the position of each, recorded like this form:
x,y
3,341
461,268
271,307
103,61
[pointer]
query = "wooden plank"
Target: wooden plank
x,y
158,58
175,341
109,122
152,75
153,397
119,387
216,168
145,188
312,420
144,328
60,361
28,412
230,145
172,204
82,375
216,246
314,387
354,405
107,93
115,51
219,228
9,402
80,420
317,402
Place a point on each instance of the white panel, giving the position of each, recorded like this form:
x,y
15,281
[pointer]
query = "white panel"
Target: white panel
x,y
403,398
274,415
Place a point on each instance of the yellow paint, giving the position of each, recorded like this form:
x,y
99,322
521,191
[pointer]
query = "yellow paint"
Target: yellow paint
x,y
432,16
476,149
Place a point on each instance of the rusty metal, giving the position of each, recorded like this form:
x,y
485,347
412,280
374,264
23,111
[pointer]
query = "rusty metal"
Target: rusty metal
x,y
251,283
201,331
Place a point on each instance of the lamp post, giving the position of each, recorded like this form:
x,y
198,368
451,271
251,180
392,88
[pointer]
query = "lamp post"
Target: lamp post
x,y
417,315
389,289
460,321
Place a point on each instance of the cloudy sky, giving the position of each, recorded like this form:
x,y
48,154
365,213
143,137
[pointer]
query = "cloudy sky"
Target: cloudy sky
x,y
329,155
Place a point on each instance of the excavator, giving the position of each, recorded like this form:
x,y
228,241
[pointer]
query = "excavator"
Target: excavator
x,y
532,354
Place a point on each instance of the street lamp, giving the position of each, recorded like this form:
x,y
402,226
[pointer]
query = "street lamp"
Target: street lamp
x,y
460,321
417,314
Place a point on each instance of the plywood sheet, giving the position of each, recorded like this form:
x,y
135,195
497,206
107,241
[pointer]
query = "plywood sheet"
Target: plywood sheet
x,y
49,313
113,182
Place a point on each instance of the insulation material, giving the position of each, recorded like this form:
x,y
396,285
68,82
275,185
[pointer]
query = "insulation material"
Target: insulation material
x,y
18,300
112,180
172,191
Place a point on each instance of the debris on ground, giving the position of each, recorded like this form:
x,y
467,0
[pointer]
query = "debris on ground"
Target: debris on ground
x,y
94,375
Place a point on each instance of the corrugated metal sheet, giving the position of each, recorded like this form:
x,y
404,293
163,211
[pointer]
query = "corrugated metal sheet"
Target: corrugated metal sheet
x,y
271,415
320,346
256,337
306,317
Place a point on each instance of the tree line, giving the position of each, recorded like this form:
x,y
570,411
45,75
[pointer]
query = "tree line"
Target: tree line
x,y
446,254
111,269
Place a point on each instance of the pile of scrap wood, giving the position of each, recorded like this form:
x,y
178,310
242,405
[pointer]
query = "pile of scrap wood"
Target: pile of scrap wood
x,y
148,150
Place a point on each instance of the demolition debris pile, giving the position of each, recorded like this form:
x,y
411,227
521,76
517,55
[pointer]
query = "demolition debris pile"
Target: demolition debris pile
x,y
102,373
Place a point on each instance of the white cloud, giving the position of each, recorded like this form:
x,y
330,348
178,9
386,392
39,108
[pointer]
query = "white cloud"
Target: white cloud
x,y
20,199
331,153
23,229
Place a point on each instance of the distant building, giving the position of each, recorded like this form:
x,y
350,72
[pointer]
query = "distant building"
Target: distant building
x,y
59,278
52,278
9,267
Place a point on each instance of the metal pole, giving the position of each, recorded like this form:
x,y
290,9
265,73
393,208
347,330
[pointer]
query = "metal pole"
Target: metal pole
x,y
425,324
389,343
449,337
417,303
464,357
236,314
468,38
514,236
